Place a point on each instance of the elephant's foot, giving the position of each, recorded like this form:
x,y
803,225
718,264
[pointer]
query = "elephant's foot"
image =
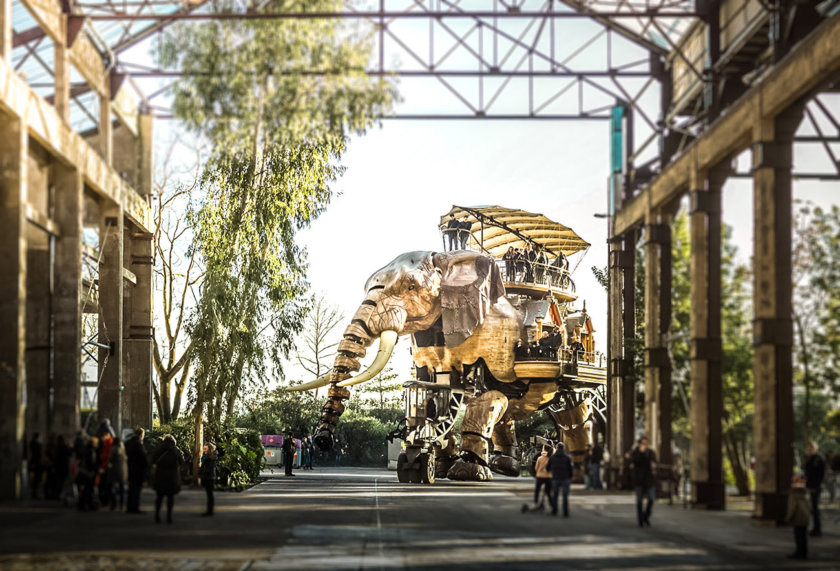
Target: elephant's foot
x,y
505,465
469,471
442,465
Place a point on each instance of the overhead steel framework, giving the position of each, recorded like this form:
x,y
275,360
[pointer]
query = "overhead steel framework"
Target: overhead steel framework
x,y
686,85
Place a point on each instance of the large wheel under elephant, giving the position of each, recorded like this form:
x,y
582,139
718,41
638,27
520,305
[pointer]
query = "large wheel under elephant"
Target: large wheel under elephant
x,y
427,468
407,472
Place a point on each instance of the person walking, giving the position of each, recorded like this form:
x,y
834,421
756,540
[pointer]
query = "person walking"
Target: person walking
x,y
798,515
311,451
543,475
136,463
560,466
167,463
289,447
643,466
207,472
117,472
814,475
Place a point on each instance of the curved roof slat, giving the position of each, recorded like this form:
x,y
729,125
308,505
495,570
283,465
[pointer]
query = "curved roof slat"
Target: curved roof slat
x,y
510,227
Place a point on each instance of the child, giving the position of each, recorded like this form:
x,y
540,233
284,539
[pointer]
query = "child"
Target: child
x,y
799,514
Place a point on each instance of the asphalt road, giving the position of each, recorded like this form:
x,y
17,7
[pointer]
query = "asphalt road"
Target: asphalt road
x,y
364,519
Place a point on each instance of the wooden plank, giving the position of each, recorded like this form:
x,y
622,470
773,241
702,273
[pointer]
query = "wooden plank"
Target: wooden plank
x,y
808,65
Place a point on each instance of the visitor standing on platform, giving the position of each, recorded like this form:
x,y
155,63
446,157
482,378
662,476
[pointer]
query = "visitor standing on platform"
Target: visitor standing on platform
x,y
167,463
560,466
207,472
451,232
643,465
814,475
137,463
289,448
464,232
798,515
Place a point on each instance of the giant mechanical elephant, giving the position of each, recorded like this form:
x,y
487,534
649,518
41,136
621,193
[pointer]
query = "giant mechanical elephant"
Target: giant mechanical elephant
x,y
454,306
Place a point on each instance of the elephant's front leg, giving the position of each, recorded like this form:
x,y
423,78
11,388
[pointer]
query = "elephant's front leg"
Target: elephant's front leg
x,y
505,450
481,415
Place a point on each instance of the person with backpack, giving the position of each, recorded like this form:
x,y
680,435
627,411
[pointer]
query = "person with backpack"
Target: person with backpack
x,y
167,463
207,473
289,447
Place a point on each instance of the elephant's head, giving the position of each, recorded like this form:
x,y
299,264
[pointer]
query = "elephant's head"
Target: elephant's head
x,y
407,296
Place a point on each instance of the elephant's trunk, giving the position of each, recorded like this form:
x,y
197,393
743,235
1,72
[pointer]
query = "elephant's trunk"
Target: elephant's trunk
x,y
369,321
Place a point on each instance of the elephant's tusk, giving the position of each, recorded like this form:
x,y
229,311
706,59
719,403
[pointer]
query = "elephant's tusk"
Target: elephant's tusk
x,y
319,382
387,340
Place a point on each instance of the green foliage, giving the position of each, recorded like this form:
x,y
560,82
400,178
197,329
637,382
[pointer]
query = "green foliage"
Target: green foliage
x,y
242,457
183,431
276,135
277,411
362,438
602,276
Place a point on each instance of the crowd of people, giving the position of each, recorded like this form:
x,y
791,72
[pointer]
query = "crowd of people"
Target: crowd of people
x,y
550,347
100,471
531,265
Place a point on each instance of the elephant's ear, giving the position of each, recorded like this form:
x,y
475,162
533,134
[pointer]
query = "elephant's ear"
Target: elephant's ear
x,y
470,284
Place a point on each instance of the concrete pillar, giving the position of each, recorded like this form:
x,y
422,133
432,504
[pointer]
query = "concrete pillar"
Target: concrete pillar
x,y
620,390
67,314
138,345
13,195
146,121
772,327
38,332
706,382
6,33
111,316
106,128
657,325
61,101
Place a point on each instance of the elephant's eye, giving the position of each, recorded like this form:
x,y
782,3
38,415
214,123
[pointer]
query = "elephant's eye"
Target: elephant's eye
x,y
411,288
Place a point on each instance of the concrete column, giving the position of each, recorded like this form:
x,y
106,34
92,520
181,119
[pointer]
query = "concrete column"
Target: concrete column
x,y
38,332
106,138
706,382
111,316
61,101
146,121
6,33
67,314
620,390
13,195
138,345
657,325
772,327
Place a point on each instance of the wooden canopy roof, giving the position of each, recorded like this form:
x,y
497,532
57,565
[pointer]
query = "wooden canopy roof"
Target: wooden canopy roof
x,y
510,227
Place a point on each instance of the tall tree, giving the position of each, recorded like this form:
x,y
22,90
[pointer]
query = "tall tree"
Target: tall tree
x,y
276,132
317,346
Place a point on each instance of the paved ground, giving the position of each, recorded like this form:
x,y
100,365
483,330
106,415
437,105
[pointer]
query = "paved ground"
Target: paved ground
x,y
364,519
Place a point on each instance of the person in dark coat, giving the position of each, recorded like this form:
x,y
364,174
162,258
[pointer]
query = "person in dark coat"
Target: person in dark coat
x,y
464,232
207,472
519,260
86,474
594,458
643,466
61,466
451,232
137,463
167,463
798,515
540,265
36,466
510,265
289,447
560,466
530,261
814,475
